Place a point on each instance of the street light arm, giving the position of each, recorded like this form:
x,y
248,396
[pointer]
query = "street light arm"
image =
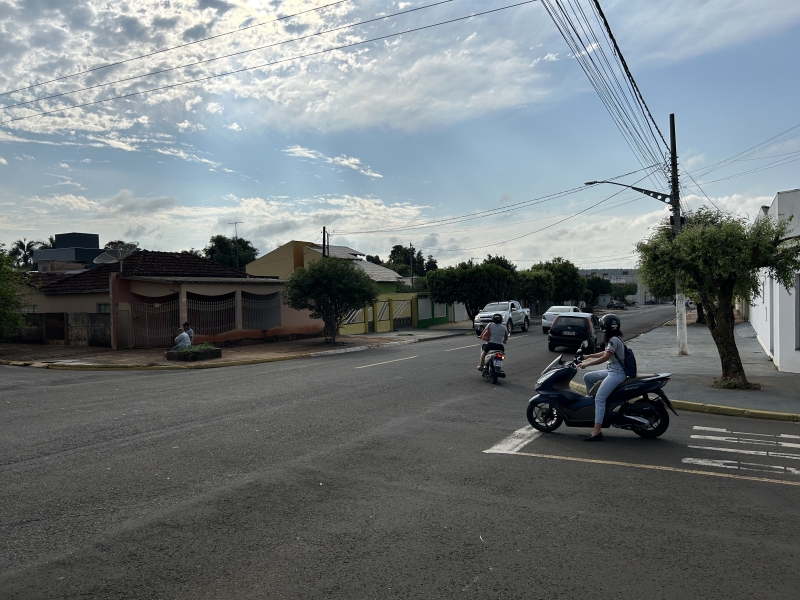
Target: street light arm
x,y
665,198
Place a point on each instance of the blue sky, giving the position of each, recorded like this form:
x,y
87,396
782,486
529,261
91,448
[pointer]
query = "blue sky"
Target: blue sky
x,y
471,116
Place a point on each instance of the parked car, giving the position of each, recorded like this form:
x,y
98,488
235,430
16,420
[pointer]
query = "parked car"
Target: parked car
x,y
571,329
616,305
551,313
513,316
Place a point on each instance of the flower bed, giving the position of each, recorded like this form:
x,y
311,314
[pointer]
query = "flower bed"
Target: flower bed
x,y
192,353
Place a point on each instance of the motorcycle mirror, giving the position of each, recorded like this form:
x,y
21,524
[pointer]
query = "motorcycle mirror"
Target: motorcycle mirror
x,y
584,345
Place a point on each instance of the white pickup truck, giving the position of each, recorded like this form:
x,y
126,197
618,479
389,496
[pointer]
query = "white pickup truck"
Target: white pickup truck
x,y
513,316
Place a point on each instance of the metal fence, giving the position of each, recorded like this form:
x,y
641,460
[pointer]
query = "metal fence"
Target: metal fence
x,y
402,313
261,312
154,324
211,317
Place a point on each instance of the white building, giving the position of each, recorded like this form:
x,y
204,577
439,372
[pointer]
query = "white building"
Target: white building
x,y
775,315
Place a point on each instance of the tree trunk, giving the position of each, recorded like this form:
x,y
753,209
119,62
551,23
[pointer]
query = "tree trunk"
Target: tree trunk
x,y
701,316
720,322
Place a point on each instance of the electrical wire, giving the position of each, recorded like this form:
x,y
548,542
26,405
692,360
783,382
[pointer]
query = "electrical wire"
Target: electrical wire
x,y
272,63
200,41
224,56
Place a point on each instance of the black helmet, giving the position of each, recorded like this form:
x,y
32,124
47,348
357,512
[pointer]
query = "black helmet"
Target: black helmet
x,y
497,318
609,322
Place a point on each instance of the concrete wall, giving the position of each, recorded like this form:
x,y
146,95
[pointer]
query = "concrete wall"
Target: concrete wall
x,y
775,315
280,263
69,329
68,302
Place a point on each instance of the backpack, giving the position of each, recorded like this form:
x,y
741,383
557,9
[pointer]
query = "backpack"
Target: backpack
x,y
629,365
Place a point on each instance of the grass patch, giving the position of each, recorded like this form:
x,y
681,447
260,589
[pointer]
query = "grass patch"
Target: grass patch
x,y
735,384
198,348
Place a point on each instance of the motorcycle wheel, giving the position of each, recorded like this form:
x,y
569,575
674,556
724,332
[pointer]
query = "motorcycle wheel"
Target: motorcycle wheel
x,y
543,417
493,373
657,427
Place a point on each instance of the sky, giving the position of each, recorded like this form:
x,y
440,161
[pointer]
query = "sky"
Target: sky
x,y
387,141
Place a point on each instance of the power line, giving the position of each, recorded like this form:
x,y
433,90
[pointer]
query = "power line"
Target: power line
x,y
213,37
232,54
244,69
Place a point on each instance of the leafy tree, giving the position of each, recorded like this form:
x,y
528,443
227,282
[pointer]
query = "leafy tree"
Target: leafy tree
x,y
534,285
568,285
474,286
330,288
374,259
597,287
431,264
11,299
233,253
400,261
193,252
22,253
717,259
500,261
620,290
115,245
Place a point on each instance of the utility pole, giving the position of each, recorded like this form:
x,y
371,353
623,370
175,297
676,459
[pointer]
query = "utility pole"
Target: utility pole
x,y
236,241
680,304
324,238
410,245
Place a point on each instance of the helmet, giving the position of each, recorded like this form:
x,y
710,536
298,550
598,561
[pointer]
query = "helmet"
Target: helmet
x,y
497,318
609,322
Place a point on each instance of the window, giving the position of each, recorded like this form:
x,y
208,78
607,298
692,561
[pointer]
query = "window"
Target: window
x,y
104,307
30,308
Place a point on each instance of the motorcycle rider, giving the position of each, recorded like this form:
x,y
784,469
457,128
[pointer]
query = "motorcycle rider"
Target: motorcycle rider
x,y
611,376
498,335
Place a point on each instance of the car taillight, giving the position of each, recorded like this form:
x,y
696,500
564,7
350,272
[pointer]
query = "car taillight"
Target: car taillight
x,y
554,322
588,325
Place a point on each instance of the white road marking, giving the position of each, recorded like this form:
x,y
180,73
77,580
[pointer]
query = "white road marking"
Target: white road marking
x,y
462,347
718,430
386,362
735,464
733,440
515,442
750,452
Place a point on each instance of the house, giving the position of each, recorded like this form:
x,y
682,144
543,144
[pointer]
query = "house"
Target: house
x,y
283,261
71,253
775,315
642,294
393,309
142,300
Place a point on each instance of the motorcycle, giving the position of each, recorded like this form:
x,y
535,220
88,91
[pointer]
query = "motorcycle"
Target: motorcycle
x,y
638,404
493,366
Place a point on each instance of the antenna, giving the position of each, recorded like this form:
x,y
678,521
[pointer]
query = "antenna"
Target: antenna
x,y
117,254
235,240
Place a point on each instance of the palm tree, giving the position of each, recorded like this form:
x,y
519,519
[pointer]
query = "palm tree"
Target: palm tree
x,y
48,245
22,252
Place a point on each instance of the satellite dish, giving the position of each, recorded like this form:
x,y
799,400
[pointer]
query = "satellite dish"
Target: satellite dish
x,y
117,254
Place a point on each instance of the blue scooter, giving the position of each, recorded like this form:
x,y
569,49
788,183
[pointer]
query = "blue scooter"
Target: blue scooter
x,y
638,404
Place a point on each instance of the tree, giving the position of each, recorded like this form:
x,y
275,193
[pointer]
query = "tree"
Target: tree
x,y
22,253
330,288
400,261
534,285
500,261
597,287
229,252
717,259
474,286
568,285
374,259
431,264
193,252
115,245
11,300
50,244
620,290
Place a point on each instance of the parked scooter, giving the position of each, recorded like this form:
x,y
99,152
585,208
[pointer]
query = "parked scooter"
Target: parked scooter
x,y
493,366
638,404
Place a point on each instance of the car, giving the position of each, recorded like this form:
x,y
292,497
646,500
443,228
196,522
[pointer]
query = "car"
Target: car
x,y
511,310
571,329
551,313
616,305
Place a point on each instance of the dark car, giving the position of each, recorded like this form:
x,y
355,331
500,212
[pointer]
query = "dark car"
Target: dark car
x,y
616,305
570,330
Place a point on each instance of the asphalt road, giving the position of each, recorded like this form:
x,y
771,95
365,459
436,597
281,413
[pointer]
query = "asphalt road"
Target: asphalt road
x,y
366,475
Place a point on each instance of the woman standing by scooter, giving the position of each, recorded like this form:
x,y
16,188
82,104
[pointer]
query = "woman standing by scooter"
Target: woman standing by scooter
x,y
611,376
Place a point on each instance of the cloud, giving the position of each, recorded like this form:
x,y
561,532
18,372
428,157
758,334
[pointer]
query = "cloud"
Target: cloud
x,y
189,104
124,202
114,143
3,161
186,126
235,127
343,160
187,156
214,107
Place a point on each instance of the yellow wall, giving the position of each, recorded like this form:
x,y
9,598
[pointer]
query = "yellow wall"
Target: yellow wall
x,y
67,302
280,263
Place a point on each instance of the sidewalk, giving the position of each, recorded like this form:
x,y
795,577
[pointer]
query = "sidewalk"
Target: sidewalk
x,y
692,375
90,357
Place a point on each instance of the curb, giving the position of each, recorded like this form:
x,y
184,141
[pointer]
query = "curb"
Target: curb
x,y
238,363
718,409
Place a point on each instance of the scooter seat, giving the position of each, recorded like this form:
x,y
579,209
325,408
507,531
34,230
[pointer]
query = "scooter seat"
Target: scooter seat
x,y
596,386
